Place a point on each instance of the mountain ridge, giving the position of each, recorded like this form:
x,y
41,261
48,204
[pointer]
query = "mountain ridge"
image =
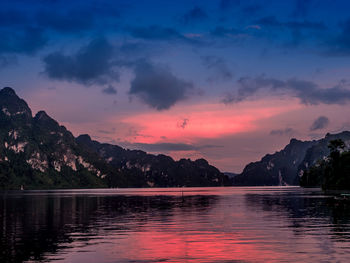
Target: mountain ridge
x,y
285,167
38,153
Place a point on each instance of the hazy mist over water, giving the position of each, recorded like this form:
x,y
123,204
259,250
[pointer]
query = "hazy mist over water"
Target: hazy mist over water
x,y
241,224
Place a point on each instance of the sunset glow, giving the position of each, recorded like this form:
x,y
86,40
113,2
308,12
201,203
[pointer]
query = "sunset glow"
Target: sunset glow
x,y
190,123
243,76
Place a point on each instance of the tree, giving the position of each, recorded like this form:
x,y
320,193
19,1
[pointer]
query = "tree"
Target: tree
x,y
332,173
336,145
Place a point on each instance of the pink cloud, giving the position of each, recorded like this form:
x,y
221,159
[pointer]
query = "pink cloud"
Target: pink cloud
x,y
203,121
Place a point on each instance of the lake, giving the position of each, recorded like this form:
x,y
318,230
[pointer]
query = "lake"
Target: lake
x,y
228,224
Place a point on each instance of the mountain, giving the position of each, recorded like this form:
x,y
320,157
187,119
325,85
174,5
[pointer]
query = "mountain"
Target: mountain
x,y
38,153
148,170
286,166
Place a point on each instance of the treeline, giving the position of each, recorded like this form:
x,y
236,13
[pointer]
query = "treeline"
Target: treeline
x,y
331,173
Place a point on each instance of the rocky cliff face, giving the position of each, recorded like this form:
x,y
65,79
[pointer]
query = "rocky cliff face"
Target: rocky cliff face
x,y
286,166
279,168
39,153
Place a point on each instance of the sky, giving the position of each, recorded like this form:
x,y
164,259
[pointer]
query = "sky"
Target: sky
x,y
224,80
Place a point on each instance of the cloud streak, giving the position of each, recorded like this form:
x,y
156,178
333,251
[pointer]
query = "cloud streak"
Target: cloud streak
x,y
221,31
307,92
272,21
155,32
162,33
169,147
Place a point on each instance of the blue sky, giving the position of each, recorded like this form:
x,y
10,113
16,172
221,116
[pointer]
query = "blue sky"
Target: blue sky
x,y
227,80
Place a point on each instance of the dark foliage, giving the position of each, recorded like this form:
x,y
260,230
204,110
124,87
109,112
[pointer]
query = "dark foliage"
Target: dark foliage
x,y
140,169
286,166
332,173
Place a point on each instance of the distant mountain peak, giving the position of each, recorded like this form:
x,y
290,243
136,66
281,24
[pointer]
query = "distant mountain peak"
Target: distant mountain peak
x,y
42,115
43,119
8,91
84,137
293,140
13,106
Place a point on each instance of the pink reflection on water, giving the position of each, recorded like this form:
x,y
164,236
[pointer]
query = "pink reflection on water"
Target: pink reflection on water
x,y
237,225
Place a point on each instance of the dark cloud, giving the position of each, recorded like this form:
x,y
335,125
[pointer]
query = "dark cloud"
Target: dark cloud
x,y
157,86
308,92
320,123
110,90
26,40
160,147
282,132
196,14
24,27
272,21
112,131
70,21
91,64
156,32
219,66
227,4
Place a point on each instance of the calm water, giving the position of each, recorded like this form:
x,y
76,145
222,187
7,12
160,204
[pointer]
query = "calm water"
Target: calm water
x,y
251,224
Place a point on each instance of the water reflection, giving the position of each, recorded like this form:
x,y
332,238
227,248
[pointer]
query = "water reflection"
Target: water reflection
x,y
174,225
36,223
306,210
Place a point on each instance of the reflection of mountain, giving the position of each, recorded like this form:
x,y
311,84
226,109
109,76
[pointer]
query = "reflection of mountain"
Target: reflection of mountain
x,y
306,212
32,226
